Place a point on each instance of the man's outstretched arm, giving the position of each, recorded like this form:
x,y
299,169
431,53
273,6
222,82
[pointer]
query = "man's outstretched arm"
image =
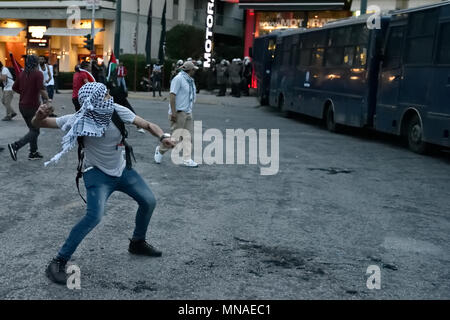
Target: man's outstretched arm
x,y
41,119
153,129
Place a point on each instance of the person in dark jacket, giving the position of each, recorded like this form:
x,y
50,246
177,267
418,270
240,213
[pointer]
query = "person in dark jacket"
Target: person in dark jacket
x,y
30,86
246,76
235,71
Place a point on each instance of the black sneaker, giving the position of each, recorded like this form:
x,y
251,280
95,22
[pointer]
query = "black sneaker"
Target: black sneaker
x,y
141,247
56,271
7,118
35,156
1,149
13,151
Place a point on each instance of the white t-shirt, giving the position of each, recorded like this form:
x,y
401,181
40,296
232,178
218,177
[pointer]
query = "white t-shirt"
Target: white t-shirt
x,y
103,152
8,83
46,76
180,87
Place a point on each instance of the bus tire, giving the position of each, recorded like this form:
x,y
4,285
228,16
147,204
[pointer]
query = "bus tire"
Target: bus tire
x,y
415,135
282,107
329,120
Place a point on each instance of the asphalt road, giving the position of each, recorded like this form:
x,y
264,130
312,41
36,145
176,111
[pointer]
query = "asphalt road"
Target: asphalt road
x,y
339,203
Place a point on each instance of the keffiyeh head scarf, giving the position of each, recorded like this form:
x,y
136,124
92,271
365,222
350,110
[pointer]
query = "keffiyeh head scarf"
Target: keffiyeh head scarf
x,y
91,120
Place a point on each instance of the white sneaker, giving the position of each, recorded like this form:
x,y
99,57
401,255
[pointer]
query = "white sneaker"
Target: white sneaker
x,y
158,155
190,163
141,130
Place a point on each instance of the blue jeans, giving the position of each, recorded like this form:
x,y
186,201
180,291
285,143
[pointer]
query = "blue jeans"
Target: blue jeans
x,y
121,82
50,91
99,186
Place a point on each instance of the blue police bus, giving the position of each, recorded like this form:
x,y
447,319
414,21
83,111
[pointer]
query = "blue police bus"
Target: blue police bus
x,y
394,78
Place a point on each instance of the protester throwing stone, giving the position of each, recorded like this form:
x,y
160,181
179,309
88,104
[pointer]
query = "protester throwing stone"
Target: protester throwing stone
x,y
104,168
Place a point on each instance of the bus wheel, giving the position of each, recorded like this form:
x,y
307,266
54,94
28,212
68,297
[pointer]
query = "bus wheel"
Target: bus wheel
x,y
329,120
415,136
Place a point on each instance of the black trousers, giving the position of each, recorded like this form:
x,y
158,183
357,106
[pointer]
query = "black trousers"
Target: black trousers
x,y
235,90
222,89
156,86
32,136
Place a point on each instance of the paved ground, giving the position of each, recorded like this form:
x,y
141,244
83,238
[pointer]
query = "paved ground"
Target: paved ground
x,y
340,203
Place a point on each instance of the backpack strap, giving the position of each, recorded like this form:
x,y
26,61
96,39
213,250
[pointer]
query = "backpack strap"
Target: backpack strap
x,y
80,165
123,131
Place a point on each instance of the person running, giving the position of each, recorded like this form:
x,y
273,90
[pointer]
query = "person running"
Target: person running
x,y
182,98
105,169
80,78
7,79
29,85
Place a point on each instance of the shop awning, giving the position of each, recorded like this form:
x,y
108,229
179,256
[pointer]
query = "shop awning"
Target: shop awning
x,y
10,32
294,5
66,32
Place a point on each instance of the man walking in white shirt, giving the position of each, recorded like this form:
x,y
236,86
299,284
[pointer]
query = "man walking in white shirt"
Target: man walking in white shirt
x,y
49,81
7,79
182,98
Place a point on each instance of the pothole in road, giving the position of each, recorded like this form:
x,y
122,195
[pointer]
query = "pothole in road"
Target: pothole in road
x,y
281,258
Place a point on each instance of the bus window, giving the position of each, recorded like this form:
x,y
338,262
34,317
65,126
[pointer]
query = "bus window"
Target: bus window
x,y
294,55
420,50
318,39
349,54
334,57
360,57
423,23
394,48
317,57
287,50
444,44
272,45
340,37
305,57
359,34
286,57
419,43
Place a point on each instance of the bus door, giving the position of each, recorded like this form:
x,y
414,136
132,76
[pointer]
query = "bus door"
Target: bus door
x,y
390,80
275,71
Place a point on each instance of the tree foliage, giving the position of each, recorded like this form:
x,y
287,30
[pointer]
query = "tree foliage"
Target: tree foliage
x,y
183,41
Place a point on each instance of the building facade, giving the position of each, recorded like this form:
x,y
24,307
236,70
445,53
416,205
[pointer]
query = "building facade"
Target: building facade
x,y
56,29
265,16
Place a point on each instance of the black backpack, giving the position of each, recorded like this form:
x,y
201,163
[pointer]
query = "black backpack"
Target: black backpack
x,y
128,150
